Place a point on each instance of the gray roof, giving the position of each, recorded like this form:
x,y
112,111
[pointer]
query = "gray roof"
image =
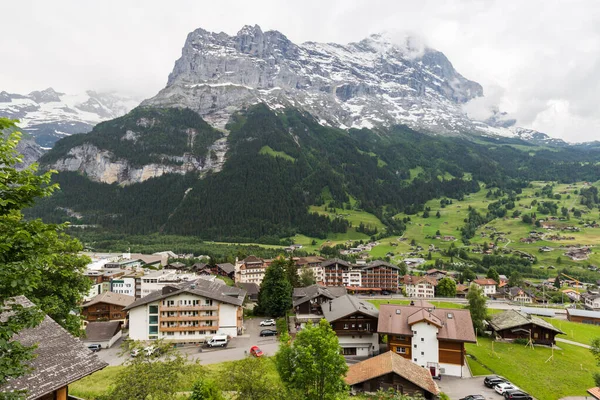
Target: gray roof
x,y
227,268
60,359
513,319
113,298
101,331
336,261
545,312
378,263
583,313
250,287
216,290
346,305
303,294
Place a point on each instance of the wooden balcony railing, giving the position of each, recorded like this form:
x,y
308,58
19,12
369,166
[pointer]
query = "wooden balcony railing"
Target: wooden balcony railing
x,y
188,308
190,318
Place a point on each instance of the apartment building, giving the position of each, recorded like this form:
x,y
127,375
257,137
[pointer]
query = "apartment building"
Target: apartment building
x,y
189,312
487,285
154,281
419,286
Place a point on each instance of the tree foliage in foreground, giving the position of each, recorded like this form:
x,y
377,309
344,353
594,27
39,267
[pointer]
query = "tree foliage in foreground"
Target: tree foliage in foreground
x,y
275,296
477,307
37,260
312,365
251,379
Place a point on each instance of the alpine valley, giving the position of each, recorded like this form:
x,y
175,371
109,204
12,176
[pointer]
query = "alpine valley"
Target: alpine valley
x,y
252,133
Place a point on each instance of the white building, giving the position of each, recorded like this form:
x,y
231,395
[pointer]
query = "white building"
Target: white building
x,y
487,285
591,301
154,281
419,286
431,337
188,313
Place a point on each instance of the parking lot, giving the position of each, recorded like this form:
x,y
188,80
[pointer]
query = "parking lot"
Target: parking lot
x,y
237,348
457,388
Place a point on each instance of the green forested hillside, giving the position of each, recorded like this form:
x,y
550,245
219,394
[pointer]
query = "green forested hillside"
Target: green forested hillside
x,y
144,136
280,164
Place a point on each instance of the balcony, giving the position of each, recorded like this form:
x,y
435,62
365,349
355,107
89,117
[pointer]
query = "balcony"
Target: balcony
x,y
188,308
190,318
188,328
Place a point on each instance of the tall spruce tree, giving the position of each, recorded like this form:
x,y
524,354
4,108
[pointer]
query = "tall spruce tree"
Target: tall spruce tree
x,y
275,296
292,273
477,307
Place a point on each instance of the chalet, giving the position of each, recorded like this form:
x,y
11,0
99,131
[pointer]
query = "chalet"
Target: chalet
x,y
413,262
487,285
355,323
583,316
308,301
519,295
104,333
448,238
201,269
59,360
432,338
252,290
391,371
513,324
572,294
436,274
579,254
224,269
107,306
462,291
591,301
179,266
419,286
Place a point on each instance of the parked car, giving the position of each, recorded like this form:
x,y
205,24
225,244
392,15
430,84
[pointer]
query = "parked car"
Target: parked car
x,y
503,387
385,293
217,341
268,332
256,351
491,381
267,322
95,347
473,397
517,394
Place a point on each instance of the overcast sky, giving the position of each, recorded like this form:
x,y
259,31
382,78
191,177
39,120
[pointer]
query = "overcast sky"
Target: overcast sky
x,y
537,60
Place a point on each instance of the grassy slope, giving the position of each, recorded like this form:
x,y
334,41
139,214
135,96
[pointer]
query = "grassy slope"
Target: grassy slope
x,y
575,331
266,150
529,370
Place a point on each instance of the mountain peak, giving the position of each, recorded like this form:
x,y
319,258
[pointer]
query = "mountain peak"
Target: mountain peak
x,y
249,30
46,96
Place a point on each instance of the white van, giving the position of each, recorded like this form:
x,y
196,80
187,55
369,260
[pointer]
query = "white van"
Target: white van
x,y
217,341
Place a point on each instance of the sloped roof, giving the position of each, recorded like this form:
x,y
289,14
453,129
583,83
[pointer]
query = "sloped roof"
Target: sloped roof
x,y
456,323
116,299
216,290
304,294
60,359
513,319
391,362
583,313
252,259
250,287
101,331
346,305
485,281
424,315
336,261
379,263
595,392
226,267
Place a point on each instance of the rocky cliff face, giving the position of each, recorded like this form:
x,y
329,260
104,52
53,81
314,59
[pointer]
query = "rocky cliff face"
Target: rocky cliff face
x,y
48,115
370,83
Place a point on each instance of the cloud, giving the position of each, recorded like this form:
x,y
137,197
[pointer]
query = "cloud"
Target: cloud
x,y
539,60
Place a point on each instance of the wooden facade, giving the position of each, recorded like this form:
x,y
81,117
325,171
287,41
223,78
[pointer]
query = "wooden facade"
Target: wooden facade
x,y
104,312
312,306
583,320
400,345
391,381
59,394
539,334
355,324
451,352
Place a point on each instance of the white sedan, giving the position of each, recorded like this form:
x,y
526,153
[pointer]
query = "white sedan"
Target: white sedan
x,y
267,322
503,387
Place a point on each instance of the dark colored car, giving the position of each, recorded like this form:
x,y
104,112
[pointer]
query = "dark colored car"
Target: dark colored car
x,y
517,394
473,397
268,332
491,381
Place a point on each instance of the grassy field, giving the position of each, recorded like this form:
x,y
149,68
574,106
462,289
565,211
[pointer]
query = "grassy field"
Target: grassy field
x,y
98,383
266,150
438,304
529,370
575,331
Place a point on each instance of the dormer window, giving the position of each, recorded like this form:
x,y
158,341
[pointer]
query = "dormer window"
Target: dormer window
x,y
450,315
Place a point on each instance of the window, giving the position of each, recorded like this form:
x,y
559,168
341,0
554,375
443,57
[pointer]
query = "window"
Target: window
x,y
422,353
535,335
546,336
422,339
153,309
153,319
345,326
415,346
401,350
414,359
153,330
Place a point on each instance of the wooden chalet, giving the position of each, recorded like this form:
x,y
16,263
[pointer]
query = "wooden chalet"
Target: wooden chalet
x,y
513,324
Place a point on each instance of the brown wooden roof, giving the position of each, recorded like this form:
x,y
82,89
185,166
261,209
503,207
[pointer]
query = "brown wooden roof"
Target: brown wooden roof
x,y
391,362
456,323
116,299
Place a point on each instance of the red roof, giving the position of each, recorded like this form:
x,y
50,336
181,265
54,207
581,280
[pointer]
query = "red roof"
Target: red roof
x,y
486,281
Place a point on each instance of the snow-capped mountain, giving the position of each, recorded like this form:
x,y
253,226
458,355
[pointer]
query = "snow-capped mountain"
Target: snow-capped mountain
x,y
367,84
48,115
